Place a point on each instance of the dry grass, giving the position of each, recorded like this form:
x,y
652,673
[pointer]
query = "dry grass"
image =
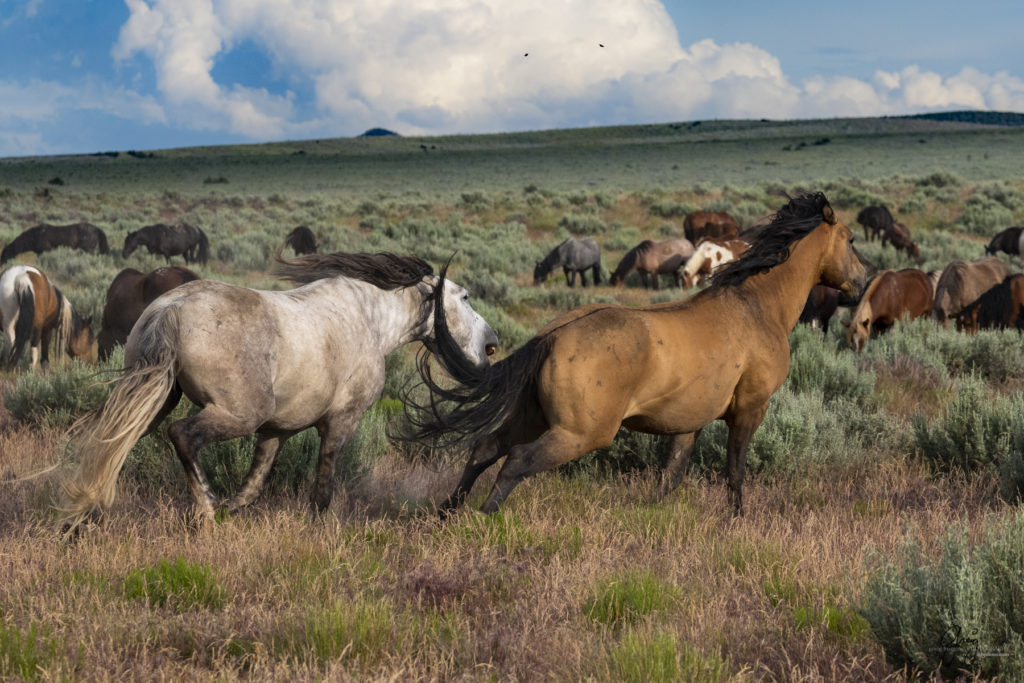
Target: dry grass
x,y
378,588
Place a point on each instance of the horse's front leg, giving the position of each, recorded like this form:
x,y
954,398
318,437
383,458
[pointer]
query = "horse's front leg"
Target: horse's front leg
x,y
40,346
583,278
677,462
570,276
741,430
335,432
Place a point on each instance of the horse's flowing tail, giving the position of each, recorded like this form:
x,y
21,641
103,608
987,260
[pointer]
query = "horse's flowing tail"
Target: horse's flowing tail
x,y
65,325
102,238
203,245
107,435
26,318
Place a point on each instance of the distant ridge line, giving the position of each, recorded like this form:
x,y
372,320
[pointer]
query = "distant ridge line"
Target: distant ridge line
x,y
989,118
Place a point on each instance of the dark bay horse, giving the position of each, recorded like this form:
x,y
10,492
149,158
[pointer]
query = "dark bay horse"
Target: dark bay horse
x,y
574,255
45,237
271,363
654,259
1009,241
1000,307
301,240
962,282
876,220
128,295
170,240
32,311
664,369
701,224
821,305
890,296
899,235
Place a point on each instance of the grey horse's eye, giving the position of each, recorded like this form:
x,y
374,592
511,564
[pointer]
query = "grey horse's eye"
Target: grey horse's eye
x,y
465,297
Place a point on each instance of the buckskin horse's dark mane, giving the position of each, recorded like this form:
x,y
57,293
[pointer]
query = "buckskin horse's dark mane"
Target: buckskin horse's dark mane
x,y
384,270
791,223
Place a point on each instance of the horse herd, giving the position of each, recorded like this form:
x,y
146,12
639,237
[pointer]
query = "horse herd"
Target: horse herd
x,y
274,363
33,311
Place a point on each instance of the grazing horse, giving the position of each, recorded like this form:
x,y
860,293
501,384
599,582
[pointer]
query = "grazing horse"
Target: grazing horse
x,y
170,240
32,310
876,220
999,307
699,225
45,237
271,363
654,258
899,235
128,295
821,305
962,282
670,368
892,295
301,240
1009,241
710,255
574,255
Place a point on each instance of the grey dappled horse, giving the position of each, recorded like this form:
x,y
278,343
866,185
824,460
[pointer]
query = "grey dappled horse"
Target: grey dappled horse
x,y
271,363
574,255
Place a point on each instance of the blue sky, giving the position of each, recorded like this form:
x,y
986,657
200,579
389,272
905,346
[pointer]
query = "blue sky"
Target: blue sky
x,y
78,76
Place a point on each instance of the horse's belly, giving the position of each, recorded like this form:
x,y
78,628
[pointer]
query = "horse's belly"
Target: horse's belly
x,y
677,415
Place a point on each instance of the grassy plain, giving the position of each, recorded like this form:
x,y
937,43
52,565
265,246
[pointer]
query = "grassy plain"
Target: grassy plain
x,y
916,444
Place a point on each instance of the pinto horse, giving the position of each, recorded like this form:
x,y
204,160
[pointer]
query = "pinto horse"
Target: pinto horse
x,y
574,255
1009,241
301,240
45,237
271,363
655,259
891,295
170,240
710,255
699,225
128,295
999,307
669,369
962,282
33,310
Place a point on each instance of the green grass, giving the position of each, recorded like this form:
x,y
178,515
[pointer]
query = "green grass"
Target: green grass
x,y
628,598
179,585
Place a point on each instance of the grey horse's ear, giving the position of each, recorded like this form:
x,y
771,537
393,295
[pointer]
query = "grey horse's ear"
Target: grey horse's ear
x,y
828,214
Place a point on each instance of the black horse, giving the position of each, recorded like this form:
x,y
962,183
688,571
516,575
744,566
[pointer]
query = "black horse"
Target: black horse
x,y
876,221
301,240
45,237
170,240
574,255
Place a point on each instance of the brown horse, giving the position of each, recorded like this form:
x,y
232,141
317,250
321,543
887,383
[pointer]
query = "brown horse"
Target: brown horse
x,y
821,305
128,295
654,258
665,369
999,307
899,235
45,237
1008,241
700,224
301,240
875,220
32,310
962,282
890,296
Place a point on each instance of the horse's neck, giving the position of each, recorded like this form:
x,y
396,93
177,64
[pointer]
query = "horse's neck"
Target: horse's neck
x,y
785,287
397,315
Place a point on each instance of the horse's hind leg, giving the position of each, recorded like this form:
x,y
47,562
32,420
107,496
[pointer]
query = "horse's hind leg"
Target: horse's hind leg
x,y
741,430
268,445
189,435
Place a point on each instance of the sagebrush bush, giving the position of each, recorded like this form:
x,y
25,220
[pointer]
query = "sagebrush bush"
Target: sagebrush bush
x,y
960,614
59,397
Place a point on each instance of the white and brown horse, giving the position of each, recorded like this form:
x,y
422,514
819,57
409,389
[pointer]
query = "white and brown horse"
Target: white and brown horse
x,y
710,255
34,312
272,363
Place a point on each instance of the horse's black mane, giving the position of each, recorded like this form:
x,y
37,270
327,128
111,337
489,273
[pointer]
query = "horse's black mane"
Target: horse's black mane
x,y
384,270
630,258
548,263
791,223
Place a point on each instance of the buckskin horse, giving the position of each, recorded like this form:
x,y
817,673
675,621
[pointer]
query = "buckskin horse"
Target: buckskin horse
x,y
664,369
574,255
271,363
654,259
170,240
128,295
32,311
45,237
890,296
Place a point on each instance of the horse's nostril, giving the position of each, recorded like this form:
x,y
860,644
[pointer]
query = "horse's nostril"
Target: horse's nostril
x,y
490,349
